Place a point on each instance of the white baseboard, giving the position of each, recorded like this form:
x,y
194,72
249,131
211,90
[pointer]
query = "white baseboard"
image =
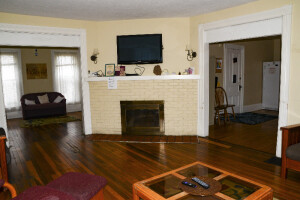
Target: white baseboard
x,y
253,107
74,108
270,108
13,114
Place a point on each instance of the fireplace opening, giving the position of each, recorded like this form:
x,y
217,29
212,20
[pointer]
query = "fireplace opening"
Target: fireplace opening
x,y
142,117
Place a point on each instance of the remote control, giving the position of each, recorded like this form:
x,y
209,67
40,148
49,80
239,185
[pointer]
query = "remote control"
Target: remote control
x,y
189,184
202,183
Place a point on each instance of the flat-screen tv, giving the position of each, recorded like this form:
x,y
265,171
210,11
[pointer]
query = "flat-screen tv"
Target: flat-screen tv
x,y
139,49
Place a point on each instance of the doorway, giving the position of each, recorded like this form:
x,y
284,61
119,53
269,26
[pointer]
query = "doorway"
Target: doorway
x,y
22,35
262,24
254,125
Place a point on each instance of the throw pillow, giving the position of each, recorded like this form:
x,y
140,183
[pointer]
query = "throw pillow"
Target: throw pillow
x,y
58,99
29,102
43,99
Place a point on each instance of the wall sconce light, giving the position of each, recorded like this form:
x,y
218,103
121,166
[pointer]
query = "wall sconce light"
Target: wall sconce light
x,y
94,56
190,54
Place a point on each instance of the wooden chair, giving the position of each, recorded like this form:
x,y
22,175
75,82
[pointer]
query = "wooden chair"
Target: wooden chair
x,y
222,105
3,167
11,188
290,149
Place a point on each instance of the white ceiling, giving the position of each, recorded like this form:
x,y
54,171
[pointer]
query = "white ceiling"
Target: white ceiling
x,y
103,10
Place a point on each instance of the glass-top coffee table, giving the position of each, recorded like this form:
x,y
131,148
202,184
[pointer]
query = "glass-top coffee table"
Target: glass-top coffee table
x,y
165,186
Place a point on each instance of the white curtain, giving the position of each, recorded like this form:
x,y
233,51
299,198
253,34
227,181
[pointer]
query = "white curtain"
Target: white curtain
x,y
67,76
11,72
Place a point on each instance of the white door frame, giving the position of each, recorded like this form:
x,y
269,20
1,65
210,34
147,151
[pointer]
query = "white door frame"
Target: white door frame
x,y
242,48
41,36
268,23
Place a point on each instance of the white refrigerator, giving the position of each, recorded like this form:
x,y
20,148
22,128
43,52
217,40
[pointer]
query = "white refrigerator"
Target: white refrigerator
x,y
271,85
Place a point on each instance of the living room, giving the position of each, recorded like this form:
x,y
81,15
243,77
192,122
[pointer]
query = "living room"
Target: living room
x,y
178,33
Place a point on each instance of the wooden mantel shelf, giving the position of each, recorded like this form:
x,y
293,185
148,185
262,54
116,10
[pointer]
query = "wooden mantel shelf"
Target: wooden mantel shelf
x,y
142,78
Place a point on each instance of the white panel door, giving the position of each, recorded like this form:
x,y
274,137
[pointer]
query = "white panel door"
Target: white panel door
x,y
233,75
271,85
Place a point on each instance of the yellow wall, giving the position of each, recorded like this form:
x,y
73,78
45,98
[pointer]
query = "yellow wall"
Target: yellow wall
x,y
89,26
175,36
37,85
102,35
254,7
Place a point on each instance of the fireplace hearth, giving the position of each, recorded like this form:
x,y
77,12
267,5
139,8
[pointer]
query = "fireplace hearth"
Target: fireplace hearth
x,y
142,117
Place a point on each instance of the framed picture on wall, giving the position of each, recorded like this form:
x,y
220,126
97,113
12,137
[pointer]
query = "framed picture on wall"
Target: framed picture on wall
x,y
109,69
36,70
219,65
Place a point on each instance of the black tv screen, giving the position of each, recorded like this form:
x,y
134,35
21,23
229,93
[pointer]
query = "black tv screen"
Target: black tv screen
x,y
139,49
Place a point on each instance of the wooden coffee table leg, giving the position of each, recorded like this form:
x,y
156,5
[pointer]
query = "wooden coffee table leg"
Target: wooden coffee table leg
x,y
135,196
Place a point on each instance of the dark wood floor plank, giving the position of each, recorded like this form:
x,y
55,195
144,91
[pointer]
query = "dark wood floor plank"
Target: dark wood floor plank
x,y
41,154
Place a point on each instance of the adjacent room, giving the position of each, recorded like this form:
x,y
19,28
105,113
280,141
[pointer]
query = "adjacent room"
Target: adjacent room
x,y
30,73
153,100
250,77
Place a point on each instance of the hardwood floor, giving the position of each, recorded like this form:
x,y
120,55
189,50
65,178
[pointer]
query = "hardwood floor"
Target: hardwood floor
x,y
42,154
261,137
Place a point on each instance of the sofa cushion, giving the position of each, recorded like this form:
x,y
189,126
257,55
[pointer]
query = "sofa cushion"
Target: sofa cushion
x,y
58,99
82,186
293,152
43,99
43,193
44,106
29,102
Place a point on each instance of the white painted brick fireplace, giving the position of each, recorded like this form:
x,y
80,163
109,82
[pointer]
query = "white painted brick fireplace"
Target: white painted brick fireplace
x,y
180,98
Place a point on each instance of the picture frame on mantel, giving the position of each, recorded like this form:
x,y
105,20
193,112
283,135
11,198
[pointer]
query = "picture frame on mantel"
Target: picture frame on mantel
x,y
109,69
219,65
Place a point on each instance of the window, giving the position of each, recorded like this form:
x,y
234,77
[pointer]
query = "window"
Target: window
x,y
11,72
66,75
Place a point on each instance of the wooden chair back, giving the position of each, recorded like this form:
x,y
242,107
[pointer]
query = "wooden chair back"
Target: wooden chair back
x,y
221,97
290,136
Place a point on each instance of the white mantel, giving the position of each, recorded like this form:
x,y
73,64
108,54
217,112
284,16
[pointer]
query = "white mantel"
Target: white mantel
x,y
143,78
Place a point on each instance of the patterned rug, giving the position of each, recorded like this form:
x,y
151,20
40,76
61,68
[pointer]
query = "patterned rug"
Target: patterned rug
x,y
47,121
251,118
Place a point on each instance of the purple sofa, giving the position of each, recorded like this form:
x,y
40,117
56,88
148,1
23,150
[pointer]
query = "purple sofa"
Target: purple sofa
x,y
43,110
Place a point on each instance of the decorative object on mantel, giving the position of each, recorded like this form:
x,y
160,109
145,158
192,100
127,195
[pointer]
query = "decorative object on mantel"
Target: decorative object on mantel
x,y
165,72
109,69
97,74
179,73
139,70
190,53
36,71
191,70
117,70
157,70
219,65
122,71
94,56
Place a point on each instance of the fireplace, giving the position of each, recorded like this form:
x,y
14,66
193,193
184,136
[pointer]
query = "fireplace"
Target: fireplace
x,y
142,117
